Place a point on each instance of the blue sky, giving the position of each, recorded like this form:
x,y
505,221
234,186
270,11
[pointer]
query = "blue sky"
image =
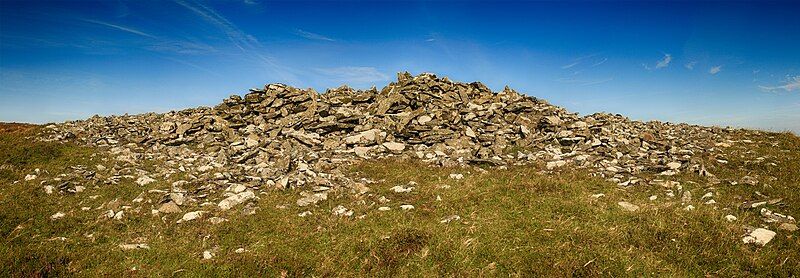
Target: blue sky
x,y
727,64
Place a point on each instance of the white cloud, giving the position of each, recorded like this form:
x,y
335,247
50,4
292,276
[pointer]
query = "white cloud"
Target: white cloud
x,y
582,82
690,65
715,70
312,36
121,28
664,62
792,83
248,44
570,65
354,74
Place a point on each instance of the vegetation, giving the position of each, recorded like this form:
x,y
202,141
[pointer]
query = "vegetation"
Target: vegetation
x,y
520,221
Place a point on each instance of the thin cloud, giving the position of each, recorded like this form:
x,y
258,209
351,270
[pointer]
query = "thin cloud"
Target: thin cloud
x,y
600,63
663,63
581,82
715,70
121,28
690,65
248,44
792,84
354,74
181,47
570,65
312,36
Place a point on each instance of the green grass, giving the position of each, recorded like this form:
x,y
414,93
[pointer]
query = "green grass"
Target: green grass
x,y
520,221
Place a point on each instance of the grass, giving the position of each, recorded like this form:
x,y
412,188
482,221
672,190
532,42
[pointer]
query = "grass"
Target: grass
x,y
521,221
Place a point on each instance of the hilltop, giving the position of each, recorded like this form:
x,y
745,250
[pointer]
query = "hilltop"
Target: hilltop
x,y
425,176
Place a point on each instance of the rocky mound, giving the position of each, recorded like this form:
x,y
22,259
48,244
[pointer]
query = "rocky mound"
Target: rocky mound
x,y
285,137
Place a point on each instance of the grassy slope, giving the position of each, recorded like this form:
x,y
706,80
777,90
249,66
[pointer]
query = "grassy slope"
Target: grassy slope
x,y
520,221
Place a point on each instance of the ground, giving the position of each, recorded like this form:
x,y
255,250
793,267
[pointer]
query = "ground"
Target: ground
x,y
520,221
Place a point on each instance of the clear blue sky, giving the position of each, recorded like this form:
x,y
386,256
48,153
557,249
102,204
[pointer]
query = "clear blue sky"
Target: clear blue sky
x,y
734,64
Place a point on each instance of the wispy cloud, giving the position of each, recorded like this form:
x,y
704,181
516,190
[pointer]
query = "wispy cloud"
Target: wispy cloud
x,y
570,65
312,36
354,74
600,62
248,44
181,47
791,84
715,70
582,82
121,28
690,65
663,63
578,60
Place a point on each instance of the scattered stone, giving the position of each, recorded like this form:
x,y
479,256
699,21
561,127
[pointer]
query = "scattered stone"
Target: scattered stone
x,y
30,177
759,236
310,199
628,206
789,227
598,195
208,254
217,220
689,208
235,199
57,215
133,246
342,211
450,218
653,197
384,208
169,207
190,216
730,218
456,176
406,207
402,189
144,180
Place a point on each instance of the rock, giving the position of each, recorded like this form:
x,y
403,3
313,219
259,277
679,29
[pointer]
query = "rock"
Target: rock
x,y
239,250
689,208
310,199
406,207
133,246
384,208
235,199
456,176
401,189
674,165
394,146
789,227
304,214
57,215
144,180
341,211
217,220
598,195
628,206
653,198
759,236
208,254
730,218
555,164
450,218
169,207
30,177
190,216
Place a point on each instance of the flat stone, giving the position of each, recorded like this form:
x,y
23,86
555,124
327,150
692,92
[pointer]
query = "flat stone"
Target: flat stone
x,y
759,236
628,206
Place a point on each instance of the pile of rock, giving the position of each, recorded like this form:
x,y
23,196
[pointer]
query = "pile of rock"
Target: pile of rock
x,y
285,137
